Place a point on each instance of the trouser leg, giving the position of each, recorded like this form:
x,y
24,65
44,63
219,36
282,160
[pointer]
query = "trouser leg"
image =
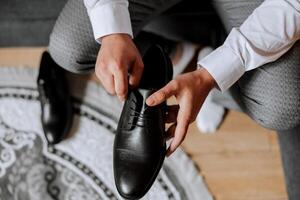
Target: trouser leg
x,y
72,44
270,94
290,152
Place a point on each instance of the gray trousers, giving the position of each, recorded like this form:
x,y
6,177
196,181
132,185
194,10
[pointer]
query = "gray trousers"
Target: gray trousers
x,y
270,95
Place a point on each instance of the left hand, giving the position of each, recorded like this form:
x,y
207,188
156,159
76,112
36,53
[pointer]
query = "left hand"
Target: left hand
x,y
118,57
190,91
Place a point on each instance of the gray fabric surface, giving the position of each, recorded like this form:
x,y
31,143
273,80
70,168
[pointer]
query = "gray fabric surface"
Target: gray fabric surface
x,y
28,23
290,153
234,12
72,44
269,94
190,20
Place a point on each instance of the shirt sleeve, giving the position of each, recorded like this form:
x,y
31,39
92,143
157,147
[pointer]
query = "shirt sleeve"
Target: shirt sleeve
x,y
108,17
269,32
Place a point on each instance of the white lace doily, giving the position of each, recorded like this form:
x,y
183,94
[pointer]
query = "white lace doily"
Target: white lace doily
x,y
80,167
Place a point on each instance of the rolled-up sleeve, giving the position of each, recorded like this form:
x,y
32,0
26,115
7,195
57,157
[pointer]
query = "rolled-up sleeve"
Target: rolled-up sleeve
x,y
109,17
269,32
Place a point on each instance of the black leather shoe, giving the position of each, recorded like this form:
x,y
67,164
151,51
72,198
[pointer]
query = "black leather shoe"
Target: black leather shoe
x,y
140,146
55,100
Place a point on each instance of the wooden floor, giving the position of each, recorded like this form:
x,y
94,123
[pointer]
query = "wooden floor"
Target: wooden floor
x,y
240,162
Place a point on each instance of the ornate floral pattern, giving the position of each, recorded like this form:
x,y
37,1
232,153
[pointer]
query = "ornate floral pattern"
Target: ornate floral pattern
x,y
31,170
80,167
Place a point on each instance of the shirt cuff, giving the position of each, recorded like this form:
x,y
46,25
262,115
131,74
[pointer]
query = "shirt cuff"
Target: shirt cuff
x,y
224,66
109,19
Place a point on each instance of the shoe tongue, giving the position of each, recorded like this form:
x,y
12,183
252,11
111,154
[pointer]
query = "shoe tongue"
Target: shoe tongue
x,y
157,69
146,92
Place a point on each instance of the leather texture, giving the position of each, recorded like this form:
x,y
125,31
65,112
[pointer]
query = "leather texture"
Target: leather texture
x,y
57,113
140,145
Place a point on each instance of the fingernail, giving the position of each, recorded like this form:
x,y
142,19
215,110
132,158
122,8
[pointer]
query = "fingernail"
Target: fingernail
x,y
149,101
121,98
132,83
168,154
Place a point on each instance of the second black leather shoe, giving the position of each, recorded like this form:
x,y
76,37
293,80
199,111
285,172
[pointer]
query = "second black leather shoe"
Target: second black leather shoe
x,y
55,100
140,146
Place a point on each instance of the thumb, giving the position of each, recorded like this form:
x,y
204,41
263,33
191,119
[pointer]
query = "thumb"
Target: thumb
x,y
161,95
136,72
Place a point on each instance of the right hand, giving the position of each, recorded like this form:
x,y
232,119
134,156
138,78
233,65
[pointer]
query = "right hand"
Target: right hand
x,y
190,90
118,57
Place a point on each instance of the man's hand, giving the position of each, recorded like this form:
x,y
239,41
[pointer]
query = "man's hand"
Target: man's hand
x,y
118,57
190,91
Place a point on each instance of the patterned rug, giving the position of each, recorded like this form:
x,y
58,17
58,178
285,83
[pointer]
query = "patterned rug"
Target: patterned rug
x,y
80,167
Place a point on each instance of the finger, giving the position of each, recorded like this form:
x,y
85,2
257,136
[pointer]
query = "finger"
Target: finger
x,y
170,132
183,121
179,136
136,73
108,84
162,95
121,84
107,81
172,113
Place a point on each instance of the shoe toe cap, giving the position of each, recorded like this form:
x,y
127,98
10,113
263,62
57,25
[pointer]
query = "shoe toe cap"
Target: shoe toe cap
x,y
55,123
133,183
53,137
134,176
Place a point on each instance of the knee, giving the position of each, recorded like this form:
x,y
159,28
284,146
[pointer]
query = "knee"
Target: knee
x,y
278,118
279,114
271,93
69,56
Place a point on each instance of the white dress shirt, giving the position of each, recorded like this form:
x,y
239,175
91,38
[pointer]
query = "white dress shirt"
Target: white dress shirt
x,y
268,33
108,17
